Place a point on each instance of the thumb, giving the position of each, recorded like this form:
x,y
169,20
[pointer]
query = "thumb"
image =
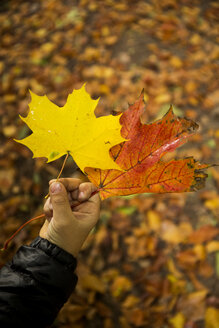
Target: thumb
x,y
59,200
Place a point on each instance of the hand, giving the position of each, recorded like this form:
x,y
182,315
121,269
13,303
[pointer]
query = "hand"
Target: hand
x,y
65,226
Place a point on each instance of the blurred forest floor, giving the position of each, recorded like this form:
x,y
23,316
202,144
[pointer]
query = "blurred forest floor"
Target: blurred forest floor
x,y
153,260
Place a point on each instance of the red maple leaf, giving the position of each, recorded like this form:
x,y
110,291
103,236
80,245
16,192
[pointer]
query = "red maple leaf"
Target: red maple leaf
x,y
142,169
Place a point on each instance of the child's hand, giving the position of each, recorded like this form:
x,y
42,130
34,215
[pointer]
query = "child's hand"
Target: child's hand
x,y
65,226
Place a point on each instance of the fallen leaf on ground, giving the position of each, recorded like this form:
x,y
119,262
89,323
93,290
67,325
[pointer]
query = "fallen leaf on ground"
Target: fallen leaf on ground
x,y
172,233
205,269
192,305
172,268
212,246
136,317
130,301
187,259
211,318
212,203
92,282
200,252
205,233
154,220
178,320
120,285
73,312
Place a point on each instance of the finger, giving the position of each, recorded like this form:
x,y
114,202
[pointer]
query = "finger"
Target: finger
x,y
48,209
85,191
43,230
74,194
69,183
59,200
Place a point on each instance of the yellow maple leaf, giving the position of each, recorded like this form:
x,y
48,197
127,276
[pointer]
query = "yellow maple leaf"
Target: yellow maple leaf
x,y
73,128
178,320
212,318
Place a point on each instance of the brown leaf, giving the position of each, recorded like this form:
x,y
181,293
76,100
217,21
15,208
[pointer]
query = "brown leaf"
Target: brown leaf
x,y
193,305
92,282
203,234
136,317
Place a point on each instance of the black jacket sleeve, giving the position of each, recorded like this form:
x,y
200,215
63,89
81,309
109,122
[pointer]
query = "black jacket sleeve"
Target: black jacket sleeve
x,y
35,285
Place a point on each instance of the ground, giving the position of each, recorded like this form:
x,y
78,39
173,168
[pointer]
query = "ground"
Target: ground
x,y
153,260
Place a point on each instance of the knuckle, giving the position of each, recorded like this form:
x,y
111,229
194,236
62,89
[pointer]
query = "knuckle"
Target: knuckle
x,y
46,212
88,188
59,200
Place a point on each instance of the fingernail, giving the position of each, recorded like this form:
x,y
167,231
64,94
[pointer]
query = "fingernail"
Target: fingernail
x,y
81,195
55,188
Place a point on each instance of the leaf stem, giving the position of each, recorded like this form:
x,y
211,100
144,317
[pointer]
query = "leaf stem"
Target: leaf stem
x,y
19,229
63,165
36,218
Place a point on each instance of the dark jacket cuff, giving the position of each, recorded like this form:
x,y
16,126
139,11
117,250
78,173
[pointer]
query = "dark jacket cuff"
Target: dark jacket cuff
x,y
55,252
